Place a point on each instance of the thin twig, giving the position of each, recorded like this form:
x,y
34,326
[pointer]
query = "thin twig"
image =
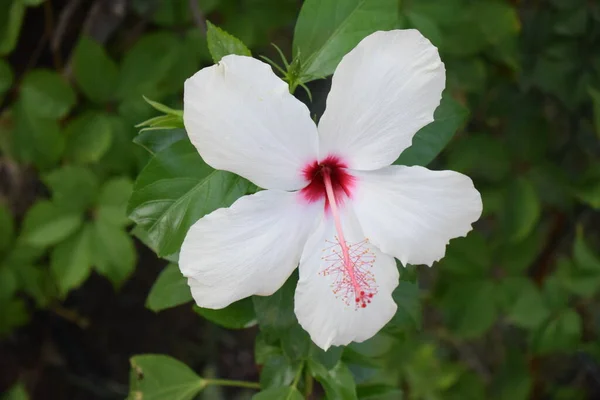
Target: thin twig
x,y
198,16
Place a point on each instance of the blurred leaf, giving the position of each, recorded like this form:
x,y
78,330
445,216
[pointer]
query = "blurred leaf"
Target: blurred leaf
x,y
36,140
8,284
71,260
45,224
513,381
17,392
162,122
470,307
6,77
524,304
408,314
11,19
595,95
328,29
169,290
112,202
113,252
377,391
559,333
73,188
426,26
431,140
14,314
337,382
279,393
572,23
221,43
480,155
176,189
159,377
37,282
88,138
7,229
522,209
496,19
147,65
47,94
237,315
468,256
588,187
155,140
95,73
584,256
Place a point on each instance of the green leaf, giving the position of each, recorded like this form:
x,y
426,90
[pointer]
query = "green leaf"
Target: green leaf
x,y
71,260
6,77
337,382
376,391
431,139
17,392
169,290
155,140
159,377
8,284
468,307
280,393
328,29
113,252
176,189
595,95
94,71
147,65
73,188
112,202
14,314
275,313
408,314
524,304
47,94
512,382
45,224
278,371
11,19
162,122
469,256
560,333
35,139
7,229
237,315
221,43
584,256
89,137
164,109
37,282
522,210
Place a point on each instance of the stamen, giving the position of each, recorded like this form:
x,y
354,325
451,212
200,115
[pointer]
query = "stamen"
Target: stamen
x,y
352,280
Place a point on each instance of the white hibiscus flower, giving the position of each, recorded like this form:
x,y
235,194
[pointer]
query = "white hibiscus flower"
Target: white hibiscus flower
x,y
333,203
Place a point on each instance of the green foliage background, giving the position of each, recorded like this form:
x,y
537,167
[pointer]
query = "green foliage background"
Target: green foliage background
x,y
510,313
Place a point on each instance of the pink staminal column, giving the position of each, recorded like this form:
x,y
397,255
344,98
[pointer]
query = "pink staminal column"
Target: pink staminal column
x,y
348,265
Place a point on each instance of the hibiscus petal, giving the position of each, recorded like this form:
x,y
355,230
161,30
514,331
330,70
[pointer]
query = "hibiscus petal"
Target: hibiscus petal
x,y
242,118
382,93
412,212
332,309
249,248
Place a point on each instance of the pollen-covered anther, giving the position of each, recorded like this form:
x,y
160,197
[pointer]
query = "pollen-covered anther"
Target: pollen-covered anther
x,y
352,282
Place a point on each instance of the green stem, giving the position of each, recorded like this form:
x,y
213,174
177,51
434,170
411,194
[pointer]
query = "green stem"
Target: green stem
x,y
227,382
298,375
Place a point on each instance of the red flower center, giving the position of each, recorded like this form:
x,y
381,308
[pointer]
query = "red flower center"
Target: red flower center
x,y
341,181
